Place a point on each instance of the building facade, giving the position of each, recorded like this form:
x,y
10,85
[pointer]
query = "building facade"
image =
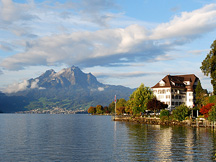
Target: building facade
x,y
174,90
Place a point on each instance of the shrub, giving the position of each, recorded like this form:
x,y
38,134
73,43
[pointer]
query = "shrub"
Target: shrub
x,y
181,112
164,113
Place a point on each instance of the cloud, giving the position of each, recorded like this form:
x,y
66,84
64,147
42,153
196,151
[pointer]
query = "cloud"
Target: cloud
x,y
121,75
25,85
11,11
199,52
106,47
86,48
16,87
188,24
100,89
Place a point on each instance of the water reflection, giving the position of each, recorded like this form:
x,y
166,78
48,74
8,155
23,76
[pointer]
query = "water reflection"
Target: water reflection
x,y
162,143
97,138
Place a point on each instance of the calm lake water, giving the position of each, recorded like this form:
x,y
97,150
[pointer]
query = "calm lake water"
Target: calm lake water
x,y
64,138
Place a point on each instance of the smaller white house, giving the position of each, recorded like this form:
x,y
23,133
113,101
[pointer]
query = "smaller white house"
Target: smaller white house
x,y
174,90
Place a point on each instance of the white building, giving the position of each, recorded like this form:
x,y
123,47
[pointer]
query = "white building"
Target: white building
x,y
174,90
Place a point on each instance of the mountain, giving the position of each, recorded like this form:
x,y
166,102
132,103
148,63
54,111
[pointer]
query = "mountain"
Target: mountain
x,y
69,88
69,77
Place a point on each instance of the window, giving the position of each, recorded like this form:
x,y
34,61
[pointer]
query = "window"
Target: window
x,y
162,83
168,90
167,96
161,97
176,97
173,97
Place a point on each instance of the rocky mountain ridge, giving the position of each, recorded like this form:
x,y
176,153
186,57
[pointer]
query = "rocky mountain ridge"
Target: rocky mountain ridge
x,y
69,88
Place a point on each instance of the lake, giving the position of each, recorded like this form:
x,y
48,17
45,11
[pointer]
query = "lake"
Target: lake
x,y
64,138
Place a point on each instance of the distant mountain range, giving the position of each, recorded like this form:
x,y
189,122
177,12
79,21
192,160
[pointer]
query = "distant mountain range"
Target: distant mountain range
x,y
69,88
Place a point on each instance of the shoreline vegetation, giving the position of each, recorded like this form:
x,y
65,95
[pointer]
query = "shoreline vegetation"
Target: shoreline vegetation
x,y
143,107
196,122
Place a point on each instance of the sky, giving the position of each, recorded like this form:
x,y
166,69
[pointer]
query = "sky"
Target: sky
x,y
121,42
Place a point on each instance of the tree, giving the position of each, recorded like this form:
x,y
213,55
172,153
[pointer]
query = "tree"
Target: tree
x,y
111,107
99,109
155,105
106,109
120,106
199,95
139,99
205,109
164,113
181,112
209,65
212,114
92,110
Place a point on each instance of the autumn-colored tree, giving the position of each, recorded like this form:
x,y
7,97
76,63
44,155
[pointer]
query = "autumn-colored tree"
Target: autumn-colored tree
x,y
155,105
106,109
205,109
120,106
120,110
92,110
99,109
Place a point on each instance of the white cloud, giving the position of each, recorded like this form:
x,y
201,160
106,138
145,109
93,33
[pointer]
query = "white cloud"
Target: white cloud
x,y
134,43
16,87
188,24
25,85
100,89
11,11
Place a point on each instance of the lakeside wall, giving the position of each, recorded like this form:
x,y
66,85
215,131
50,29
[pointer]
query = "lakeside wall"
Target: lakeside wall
x,y
157,121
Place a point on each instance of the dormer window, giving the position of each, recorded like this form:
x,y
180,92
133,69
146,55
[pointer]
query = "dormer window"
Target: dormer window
x,y
187,82
173,83
162,83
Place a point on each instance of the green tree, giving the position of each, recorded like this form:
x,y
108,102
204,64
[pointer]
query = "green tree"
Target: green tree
x,y
99,109
209,65
120,106
164,113
181,112
199,95
212,114
139,99
111,107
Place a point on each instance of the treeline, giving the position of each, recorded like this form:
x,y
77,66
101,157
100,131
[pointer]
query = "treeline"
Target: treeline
x,y
143,102
140,100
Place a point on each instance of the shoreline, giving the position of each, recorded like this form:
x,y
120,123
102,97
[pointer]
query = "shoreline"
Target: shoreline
x,y
157,121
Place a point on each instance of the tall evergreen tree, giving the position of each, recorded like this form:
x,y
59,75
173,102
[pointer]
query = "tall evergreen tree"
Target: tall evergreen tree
x,y
199,95
209,66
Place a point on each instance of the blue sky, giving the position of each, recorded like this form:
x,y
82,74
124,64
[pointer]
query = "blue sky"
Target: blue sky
x,y
121,42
